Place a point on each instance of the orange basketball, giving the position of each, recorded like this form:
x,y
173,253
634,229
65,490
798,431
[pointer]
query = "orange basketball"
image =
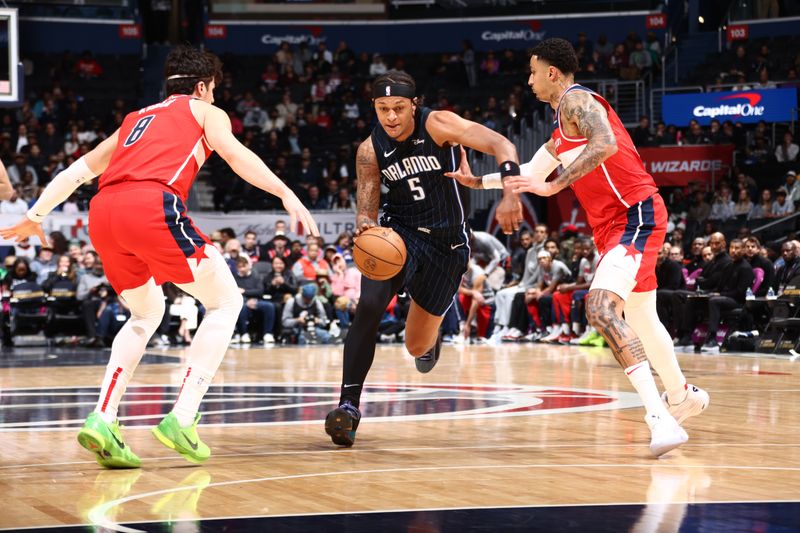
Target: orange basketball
x,y
379,253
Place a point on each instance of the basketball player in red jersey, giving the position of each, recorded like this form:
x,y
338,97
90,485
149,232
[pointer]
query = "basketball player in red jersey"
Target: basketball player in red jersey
x,y
139,226
629,221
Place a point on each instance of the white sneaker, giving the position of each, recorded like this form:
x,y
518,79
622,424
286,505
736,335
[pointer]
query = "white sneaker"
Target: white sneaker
x,y
553,336
532,337
695,403
269,338
513,335
236,339
665,434
246,339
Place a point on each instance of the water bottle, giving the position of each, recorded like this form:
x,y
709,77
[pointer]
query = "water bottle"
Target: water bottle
x,y
771,294
749,294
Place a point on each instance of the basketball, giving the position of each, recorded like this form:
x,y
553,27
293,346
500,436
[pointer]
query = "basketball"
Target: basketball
x,y
379,253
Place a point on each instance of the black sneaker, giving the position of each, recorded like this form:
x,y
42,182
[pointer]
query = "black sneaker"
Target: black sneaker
x,y
341,424
425,363
710,346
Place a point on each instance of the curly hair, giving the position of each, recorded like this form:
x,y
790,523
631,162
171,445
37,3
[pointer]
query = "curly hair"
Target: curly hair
x,y
197,65
558,53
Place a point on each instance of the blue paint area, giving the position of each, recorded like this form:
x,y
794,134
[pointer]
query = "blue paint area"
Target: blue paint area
x,y
715,517
41,357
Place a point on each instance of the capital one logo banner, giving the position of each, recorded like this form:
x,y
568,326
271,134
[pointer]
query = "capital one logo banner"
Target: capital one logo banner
x,y
769,105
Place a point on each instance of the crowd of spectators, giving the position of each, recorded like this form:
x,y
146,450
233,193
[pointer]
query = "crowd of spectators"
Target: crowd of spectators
x,y
304,110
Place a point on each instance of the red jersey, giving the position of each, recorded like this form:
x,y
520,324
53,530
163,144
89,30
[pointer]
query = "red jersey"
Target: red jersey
x,y
159,143
616,184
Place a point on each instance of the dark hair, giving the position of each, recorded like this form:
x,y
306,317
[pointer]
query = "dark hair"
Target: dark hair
x,y
228,232
558,53
242,260
197,65
753,238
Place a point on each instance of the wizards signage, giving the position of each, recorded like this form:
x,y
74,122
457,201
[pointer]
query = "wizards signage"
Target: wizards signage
x,y
769,105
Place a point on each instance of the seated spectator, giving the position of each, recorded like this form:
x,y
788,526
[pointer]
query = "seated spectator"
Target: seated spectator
x,y
696,135
14,205
722,208
23,249
670,279
782,206
736,279
683,310
792,187
65,270
586,270
251,285
518,256
763,209
530,278
698,211
693,265
250,247
44,264
304,317
87,66
93,301
787,151
20,272
232,251
344,201
641,135
306,268
315,201
496,253
19,169
790,267
476,297
744,206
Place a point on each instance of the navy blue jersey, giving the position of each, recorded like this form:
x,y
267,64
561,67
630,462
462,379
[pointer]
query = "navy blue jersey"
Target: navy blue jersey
x,y
420,195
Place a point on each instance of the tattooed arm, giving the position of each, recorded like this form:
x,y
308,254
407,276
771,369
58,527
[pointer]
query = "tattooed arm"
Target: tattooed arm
x,y
581,115
368,195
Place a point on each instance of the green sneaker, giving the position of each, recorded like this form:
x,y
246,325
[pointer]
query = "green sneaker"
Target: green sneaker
x,y
183,440
106,442
598,341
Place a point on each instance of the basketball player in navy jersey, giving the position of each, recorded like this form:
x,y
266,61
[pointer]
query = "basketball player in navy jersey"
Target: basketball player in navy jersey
x,y
409,151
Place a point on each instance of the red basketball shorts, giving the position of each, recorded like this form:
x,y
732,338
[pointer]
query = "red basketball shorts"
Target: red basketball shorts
x,y
141,231
629,249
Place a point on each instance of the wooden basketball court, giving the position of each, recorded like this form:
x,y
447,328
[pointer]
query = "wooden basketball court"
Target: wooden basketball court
x,y
512,437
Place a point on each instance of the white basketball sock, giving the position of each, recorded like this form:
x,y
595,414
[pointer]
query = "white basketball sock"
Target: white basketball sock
x,y
195,385
216,289
147,310
642,380
641,314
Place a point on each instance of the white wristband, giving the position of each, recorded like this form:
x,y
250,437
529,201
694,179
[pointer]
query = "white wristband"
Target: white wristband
x,y
492,181
60,188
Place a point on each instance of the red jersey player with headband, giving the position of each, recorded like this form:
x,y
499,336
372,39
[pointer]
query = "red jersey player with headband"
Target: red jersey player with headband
x,y
139,226
629,223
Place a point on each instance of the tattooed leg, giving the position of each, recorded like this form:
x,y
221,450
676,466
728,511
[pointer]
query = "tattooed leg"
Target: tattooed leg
x,y
604,313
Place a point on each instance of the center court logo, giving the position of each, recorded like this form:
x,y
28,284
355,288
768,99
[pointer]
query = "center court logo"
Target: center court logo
x,y
282,404
749,109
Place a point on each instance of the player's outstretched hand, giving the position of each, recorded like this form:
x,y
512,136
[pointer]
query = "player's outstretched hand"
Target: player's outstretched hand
x,y
534,184
464,174
298,213
23,229
509,213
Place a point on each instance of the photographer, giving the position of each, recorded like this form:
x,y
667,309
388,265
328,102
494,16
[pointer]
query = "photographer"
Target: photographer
x,y
304,316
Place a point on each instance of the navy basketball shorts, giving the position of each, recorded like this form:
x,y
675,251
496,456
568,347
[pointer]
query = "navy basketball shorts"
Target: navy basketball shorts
x,y
436,261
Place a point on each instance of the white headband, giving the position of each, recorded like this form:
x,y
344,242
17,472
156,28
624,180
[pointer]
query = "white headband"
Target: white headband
x,y
179,76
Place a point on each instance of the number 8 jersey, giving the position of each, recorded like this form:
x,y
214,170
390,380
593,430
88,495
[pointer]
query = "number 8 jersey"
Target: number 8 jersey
x,y
420,195
161,143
